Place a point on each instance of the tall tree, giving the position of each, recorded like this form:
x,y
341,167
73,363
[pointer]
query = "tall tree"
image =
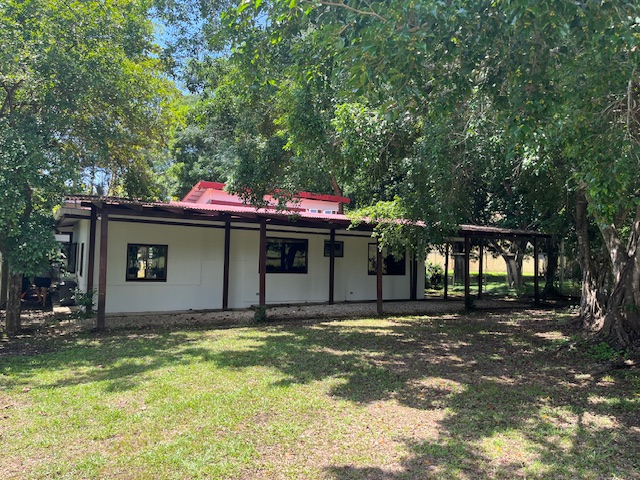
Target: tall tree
x,y
80,86
559,72
561,78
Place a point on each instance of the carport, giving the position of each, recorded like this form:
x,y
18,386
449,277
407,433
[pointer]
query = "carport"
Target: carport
x,y
479,234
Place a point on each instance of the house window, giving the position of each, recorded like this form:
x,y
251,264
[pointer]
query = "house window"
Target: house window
x,y
146,263
338,249
391,265
70,250
81,258
287,255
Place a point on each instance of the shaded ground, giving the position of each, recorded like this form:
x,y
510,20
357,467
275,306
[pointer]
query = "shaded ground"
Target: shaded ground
x,y
41,319
484,395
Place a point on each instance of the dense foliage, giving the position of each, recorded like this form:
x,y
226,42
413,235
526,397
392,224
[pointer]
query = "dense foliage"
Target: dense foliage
x,y
510,113
81,90
517,113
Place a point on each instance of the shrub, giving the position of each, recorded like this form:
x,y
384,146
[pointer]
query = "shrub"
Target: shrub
x,y
434,276
84,300
603,352
260,316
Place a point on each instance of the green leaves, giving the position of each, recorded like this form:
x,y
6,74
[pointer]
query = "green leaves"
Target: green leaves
x,y
80,87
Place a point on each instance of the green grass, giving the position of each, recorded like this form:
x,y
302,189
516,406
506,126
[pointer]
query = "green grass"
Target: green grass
x,y
470,396
495,284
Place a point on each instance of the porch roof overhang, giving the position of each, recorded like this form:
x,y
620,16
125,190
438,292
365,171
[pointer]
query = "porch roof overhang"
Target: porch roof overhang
x,y
477,231
79,206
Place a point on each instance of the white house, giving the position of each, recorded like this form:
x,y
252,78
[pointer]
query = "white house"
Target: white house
x,y
212,251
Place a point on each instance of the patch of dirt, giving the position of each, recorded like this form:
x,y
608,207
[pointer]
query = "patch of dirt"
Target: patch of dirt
x,y
40,329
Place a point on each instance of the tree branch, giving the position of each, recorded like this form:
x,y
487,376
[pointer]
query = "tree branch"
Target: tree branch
x,y
369,13
8,99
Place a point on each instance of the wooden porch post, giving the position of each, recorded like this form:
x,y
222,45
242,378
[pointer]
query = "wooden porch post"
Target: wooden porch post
x,y
467,273
91,261
480,268
446,270
332,264
562,264
102,280
225,278
536,283
378,278
263,263
413,281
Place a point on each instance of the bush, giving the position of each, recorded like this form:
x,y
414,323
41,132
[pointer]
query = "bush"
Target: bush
x,y
84,300
260,316
603,351
434,276
469,303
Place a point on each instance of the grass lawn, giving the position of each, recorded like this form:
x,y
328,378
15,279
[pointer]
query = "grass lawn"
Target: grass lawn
x,y
485,395
495,284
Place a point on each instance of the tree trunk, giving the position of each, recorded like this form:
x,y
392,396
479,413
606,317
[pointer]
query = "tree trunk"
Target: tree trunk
x,y
513,256
337,191
458,263
550,289
514,269
592,299
621,323
14,303
4,281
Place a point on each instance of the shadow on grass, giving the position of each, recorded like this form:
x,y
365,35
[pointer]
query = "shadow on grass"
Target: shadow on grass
x,y
118,360
495,376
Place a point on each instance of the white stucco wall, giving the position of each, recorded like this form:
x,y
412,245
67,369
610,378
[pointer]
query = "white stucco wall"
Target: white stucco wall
x,y
312,286
194,268
80,236
353,283
196,260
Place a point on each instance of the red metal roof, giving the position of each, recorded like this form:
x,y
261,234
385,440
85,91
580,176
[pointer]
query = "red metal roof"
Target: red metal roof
x,y
203,185
84,201
214,207
324,197
198,189
87,200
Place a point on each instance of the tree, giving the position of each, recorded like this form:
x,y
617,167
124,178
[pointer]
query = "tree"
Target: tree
x,y
283,135
557,80
559,73
80,86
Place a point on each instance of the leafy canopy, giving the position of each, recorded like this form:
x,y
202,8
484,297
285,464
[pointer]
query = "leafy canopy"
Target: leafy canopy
x,y
81,86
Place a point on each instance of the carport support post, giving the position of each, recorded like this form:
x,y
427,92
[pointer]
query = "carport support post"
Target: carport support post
x,y
413,281
467,273
536,283
446,270
102,280
480,269
378,278
332,264
225,278
263,263
91,261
